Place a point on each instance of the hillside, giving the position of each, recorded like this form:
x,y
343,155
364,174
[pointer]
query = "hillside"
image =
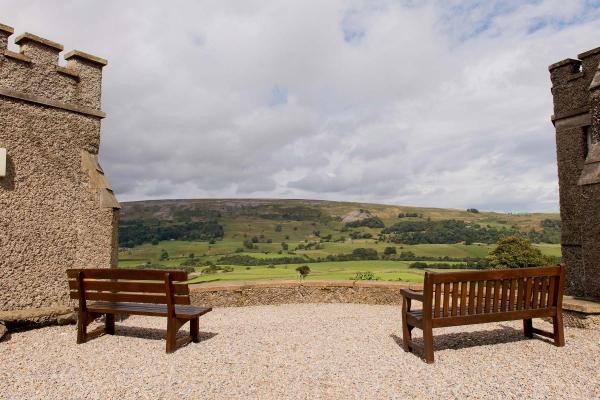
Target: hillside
x,y
238,232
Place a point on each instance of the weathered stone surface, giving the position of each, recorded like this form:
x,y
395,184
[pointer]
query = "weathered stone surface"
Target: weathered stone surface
x,y
238,294
37,317
577,121
574,319
54,215
3,330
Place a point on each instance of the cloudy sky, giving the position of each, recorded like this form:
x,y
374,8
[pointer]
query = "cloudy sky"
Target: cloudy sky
x,y
429,103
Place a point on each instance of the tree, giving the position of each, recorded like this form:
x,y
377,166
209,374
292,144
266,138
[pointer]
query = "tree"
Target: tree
x,y
516,252
364,254
303,271
164,255
389,250
284,246
473,210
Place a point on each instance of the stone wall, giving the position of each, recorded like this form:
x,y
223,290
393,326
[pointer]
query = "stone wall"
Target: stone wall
x,y
57,209
575,94
239,294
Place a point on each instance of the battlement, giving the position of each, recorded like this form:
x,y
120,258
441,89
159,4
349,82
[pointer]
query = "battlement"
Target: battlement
x,y
571,81
33,74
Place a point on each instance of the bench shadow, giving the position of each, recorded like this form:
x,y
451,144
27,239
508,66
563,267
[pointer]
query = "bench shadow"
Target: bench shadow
x,y
464,340
156,334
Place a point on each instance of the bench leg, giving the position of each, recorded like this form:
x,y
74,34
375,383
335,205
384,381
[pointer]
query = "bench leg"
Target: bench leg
x,y
559,332
428,343
407,336
109,324
171,334
195,330
528,327
82,327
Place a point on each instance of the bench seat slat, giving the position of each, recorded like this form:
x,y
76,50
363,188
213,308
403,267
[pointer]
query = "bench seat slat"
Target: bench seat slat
x,y
160,310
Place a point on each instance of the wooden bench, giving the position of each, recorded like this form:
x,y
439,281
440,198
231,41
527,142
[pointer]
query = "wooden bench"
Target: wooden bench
x,y
475,297
157,293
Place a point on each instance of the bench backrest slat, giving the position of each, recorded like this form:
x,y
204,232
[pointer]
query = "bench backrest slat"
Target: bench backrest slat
x,y
131,274
131,286
470,293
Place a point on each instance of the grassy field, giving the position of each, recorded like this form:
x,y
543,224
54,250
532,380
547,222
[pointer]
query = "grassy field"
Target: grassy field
x,y
179,250
383,270
299,222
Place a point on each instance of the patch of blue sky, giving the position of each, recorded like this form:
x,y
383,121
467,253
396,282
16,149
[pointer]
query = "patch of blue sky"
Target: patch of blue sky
x,y
279,96
590,12
467,20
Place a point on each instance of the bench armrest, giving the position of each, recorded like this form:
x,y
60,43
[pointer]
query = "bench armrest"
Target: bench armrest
x,y
411,294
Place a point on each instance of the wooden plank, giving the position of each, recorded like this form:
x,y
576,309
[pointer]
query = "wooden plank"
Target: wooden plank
x,y
535,301
463,298
494,317
543,333
543,291
527,295
128,286
472,286
160,310
551,290
479,298
504,298
437,305
511,294
497,289
133,274
446,299
488,296
520,288
459,276
455,298
130,297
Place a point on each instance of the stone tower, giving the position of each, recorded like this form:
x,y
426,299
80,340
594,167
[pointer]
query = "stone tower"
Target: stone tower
x,y
57,210
576,92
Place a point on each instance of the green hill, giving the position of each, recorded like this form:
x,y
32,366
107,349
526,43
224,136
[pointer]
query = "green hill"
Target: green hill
x,y
325,234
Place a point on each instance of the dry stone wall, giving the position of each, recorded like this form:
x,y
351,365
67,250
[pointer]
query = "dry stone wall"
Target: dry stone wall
x,y
57,210
239,294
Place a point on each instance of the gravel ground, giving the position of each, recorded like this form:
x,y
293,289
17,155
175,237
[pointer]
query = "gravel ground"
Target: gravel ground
x,y
301,351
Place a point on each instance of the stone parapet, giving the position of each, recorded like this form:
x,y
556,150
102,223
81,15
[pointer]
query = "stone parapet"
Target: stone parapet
x,y
238,294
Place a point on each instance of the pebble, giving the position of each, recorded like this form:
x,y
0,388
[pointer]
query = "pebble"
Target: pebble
x,y
299,351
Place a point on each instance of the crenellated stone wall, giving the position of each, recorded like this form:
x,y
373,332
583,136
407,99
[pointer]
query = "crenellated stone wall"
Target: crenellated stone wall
x,y
576,93
57,209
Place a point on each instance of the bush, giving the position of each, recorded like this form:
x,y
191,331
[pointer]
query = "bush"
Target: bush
x,y
365,276
164,255
389,250
365,254
419,265
303,271
371,222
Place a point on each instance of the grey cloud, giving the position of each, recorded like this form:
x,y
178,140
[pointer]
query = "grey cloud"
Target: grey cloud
x,y
428,103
